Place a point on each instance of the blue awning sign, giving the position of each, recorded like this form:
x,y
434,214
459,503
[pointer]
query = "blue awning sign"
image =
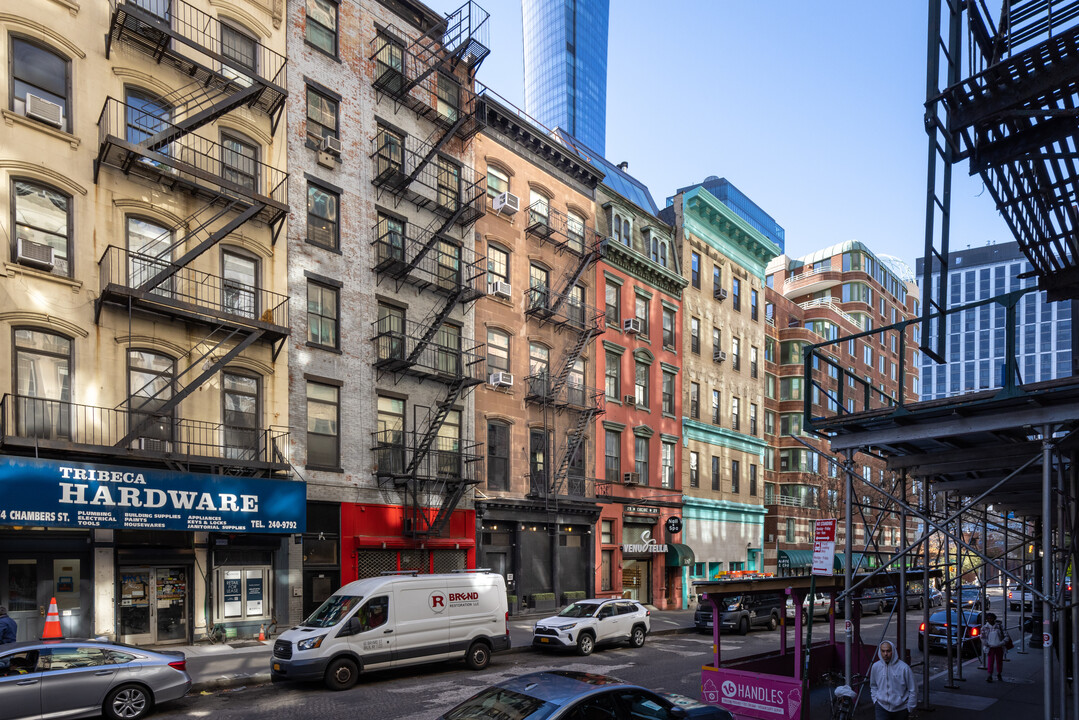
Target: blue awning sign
x,y
59,493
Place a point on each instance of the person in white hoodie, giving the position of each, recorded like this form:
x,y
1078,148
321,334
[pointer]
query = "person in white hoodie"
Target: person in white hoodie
x,y
891,685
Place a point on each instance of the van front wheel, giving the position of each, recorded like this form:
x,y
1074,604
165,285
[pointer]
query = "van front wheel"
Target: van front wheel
x,y
342,674
479,655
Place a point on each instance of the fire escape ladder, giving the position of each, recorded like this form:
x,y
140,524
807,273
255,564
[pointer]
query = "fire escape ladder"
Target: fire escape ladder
x,y
443,136
204,116
434,424
583,264
433,322
559,381
573,446
434,238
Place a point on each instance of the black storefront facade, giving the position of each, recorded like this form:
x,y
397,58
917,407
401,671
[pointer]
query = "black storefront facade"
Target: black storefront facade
x,y
545,554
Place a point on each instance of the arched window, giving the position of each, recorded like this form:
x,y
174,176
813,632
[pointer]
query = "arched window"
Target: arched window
x,y
240,47
627,234
41,83
663,254
150,384
616,227
42,384
239,283
42,221
145,116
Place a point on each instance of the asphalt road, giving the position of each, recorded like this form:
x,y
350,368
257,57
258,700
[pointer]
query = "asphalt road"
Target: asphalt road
x,y
668,663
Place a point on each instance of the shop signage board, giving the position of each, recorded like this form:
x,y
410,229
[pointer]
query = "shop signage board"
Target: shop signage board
x,y
674,525
823,546
59,493
748,694
647,544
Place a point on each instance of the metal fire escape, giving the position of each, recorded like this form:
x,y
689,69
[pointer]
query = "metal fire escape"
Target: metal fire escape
x,y
558,392
433,77
157,139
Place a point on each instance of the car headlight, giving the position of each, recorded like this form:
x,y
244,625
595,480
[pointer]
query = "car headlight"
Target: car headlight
x,y
732,607
567,627
310,643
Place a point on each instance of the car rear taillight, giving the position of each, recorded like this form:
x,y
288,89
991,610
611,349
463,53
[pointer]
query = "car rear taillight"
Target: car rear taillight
x,y
647,612
180,665
921,628
507,624
1009,595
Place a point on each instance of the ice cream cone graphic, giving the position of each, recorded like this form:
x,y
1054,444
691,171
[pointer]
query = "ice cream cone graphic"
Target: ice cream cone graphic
x,y
794,701
709,692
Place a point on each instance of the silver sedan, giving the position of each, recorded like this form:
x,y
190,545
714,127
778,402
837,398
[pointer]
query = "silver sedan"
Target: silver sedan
x,y
65,679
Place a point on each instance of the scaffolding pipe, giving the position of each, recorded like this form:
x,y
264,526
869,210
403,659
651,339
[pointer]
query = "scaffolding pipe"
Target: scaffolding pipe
x,y
1047,574
1073,497
1063,645
848,572
1022,604
1007,554
901,591
947,601
925,596
961,636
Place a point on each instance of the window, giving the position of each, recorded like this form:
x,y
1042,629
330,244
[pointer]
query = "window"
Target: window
x,y
753,312
769,422
789,535
668,393
43,216
146,115
498,182
238,46
640,385
538,286
391,333
239,284
753,480
790,388
241,415
668,328
539,208
322,27
694,478
640,446
716,337
735,407
641,312
149,250
791,352
735,476
150,384
715,473
715,407
323,413
390,153
498,456
769,349
612,456
321,116
612,385
770,386
717,280
695,270
447,346
575,231
753,362
612,312
605,571
37,71
448,100
867,354
322,227
239,161
666,459
498,351
736,353
695,336
322,306
498,265
390,432
694,400
736,294
449,185
752,419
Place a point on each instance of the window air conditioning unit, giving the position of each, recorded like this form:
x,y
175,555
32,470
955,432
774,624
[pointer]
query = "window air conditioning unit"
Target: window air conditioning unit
x,y
631,478
720,293
153,445
500,289
331,145
629,399
502,379
719,356
507,203
632,326
39,255
44,110
771,538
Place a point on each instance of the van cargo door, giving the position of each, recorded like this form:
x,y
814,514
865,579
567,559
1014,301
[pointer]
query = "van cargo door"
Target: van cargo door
x,y
376,642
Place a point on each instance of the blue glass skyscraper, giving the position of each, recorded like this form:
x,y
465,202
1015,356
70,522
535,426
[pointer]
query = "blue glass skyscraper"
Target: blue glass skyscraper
x,y
565,48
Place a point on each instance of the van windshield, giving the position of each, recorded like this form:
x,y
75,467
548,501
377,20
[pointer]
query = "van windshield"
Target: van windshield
x,y
332,611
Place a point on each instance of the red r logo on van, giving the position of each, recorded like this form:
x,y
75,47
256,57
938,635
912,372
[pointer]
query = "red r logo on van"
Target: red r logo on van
x,y
437,601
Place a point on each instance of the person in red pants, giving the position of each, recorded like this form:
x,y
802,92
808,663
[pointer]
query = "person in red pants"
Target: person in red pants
x,y
993,637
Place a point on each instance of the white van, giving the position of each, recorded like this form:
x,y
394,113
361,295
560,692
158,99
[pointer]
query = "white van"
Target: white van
x,y
394,620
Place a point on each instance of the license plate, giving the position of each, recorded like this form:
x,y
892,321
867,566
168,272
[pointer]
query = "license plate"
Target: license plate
x,y
708,624
277,667
545,639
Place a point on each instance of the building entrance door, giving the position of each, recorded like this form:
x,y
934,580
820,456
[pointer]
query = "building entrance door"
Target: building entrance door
x,y
637,580
153,605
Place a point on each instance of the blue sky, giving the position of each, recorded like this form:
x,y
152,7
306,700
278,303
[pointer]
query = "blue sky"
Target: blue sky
x,y
813,109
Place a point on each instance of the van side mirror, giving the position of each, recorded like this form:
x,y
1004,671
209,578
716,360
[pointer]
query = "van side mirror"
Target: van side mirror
x,y
352,627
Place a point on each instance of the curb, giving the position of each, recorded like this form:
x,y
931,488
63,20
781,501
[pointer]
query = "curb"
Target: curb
x,y
228,683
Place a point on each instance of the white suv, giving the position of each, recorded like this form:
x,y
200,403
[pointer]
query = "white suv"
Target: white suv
x,y
587,622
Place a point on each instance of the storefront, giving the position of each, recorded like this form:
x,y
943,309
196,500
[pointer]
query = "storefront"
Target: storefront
x,y
724,536
640,567
179,554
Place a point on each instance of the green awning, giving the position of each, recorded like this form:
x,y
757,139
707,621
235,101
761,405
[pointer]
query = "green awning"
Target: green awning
x,y
795,559
861,560
679,555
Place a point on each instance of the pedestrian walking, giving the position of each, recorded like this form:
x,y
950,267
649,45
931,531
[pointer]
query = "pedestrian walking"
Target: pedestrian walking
x,y
994,639
8,628
891,685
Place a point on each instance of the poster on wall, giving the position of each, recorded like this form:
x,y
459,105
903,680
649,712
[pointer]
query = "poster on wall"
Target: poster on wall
x,y
254,593
233,593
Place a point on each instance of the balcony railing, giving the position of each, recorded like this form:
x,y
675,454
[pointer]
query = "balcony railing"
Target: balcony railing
x,y
191,293
831,304
562,309
571,395
558,228
806,275
188,160
200,47
446,358
575,486
448,459
445,268
57,425
412,172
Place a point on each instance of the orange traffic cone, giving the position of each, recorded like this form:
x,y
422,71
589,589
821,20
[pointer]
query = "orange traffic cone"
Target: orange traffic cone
x,y
52,623
262,632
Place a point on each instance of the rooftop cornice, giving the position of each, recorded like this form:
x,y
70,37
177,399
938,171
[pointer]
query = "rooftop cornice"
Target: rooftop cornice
x,y
632,262
722,228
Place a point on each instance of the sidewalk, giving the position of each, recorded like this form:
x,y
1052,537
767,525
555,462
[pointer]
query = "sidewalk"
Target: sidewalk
x,y
247,662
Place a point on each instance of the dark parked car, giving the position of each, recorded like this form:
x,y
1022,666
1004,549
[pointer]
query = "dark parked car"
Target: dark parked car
x,y
561,694
741,612
944,631
970,597
915,599
872,602
84,678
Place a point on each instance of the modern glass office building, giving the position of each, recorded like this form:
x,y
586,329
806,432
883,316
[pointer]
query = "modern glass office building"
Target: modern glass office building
x,y
565,50
976,337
